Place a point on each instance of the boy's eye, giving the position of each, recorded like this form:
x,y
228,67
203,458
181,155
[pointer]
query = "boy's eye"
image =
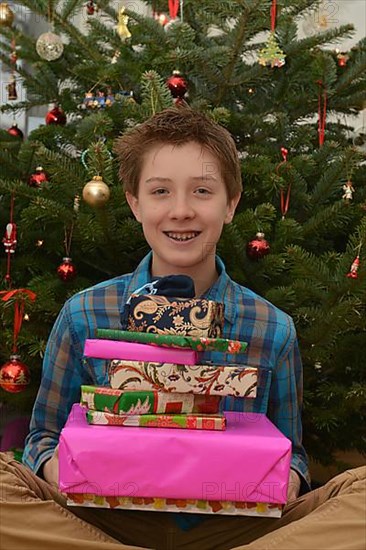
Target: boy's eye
x,y
160,191
202,191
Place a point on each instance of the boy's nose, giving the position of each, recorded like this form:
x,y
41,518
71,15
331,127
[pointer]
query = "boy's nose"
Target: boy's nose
x,y
181,208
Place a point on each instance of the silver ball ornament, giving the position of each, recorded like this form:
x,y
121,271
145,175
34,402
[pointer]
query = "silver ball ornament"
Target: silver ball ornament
x,y
49,46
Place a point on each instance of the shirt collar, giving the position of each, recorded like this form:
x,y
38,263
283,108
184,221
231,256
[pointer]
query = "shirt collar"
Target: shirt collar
x,y
221,291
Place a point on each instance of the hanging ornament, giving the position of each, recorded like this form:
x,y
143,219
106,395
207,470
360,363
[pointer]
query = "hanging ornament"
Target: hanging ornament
x,y
161,18
91,7
271,54
15,131
38,178
115,57
122,28
56,116
88,101
49,46
342,59
109,100
13,58
284,198
96,193
177,85
353,272
12,89
348,191
258,247
10,238
14,375
100,99
76,203
66,270
322,111
6,15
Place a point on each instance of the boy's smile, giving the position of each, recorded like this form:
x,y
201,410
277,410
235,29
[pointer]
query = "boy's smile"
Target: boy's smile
x,y
182,205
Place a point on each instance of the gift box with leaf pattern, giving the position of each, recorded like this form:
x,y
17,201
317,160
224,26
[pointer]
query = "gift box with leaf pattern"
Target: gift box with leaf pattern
x,y
185,316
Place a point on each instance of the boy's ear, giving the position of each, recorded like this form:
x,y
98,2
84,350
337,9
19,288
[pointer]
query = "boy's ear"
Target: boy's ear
x,y
133,203
231,207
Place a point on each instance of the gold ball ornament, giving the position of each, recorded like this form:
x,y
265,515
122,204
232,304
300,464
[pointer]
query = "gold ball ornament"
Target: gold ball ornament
x,y
96,193
49,46
6,15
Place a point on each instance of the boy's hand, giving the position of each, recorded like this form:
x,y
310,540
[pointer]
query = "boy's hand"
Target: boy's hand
x,y
50,469
293,486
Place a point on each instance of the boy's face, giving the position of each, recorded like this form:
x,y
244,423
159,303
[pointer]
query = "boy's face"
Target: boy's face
x,y
182,205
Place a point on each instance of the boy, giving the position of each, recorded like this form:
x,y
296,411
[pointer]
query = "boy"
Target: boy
x,y
182,180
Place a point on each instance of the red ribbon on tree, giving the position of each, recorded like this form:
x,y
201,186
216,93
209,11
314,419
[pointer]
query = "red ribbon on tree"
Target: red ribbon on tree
x,y
284,201
273,15
173,8
20,295
322,111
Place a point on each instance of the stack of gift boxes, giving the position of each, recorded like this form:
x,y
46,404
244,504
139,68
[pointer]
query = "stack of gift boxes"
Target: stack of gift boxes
x,y
158,381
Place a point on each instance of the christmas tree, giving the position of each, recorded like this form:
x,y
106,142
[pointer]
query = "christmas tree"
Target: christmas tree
x,y
301,222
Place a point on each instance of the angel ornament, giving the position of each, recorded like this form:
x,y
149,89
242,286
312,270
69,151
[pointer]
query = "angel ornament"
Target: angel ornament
x,y
348,191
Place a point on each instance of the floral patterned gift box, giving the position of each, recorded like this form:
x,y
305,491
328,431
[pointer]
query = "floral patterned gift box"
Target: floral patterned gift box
x,y
184,316
235,380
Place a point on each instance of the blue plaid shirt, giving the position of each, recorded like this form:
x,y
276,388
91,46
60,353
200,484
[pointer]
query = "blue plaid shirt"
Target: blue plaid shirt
x,y
272,346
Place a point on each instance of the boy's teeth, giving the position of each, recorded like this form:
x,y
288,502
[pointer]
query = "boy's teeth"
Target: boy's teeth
x,y
182,236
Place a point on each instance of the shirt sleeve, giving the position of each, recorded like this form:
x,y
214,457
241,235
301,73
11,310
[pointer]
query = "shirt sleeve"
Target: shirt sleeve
x,y
62,376
285,404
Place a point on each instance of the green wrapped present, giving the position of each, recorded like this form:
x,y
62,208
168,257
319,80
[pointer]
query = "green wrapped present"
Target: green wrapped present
x,y
174,340
147,402
184,421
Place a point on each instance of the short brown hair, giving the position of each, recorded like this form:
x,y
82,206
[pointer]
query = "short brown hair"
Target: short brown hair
x,y
177,126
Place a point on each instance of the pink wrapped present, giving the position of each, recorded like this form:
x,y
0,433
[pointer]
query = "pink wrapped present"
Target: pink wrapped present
x,y
131,351
249,462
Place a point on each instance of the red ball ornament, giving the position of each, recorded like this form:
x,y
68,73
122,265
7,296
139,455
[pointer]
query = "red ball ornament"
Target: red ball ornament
x,y
15,131
177,85
38,178
56,116
258,247
14,375
66,271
